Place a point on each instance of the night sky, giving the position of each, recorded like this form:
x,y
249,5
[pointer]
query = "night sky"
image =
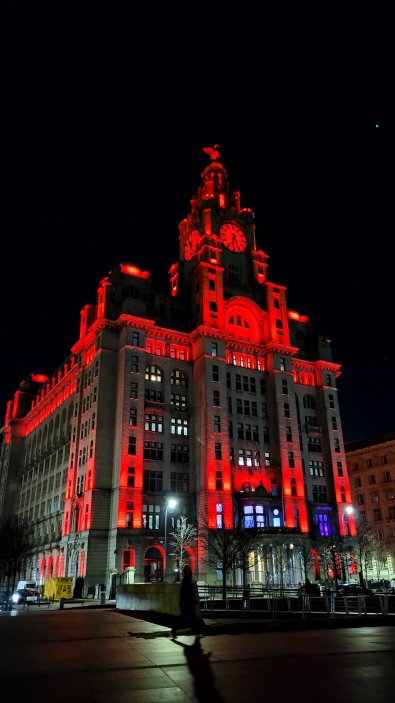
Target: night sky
x,y
105,117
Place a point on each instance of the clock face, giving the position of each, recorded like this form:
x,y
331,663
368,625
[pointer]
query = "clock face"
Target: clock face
x,y
191,244
233,237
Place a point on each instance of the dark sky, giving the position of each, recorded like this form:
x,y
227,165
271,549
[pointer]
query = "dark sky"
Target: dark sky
x,y
105,116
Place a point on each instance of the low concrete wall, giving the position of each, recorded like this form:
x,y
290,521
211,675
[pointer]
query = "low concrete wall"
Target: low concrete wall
x,y
155,597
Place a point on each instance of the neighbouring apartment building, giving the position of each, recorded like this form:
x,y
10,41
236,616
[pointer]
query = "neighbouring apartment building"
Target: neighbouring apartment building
x,y
215,394
371,468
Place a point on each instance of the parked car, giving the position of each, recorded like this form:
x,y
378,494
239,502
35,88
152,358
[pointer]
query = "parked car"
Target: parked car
x,y
313,589
4,598
382,586
23,595
353,589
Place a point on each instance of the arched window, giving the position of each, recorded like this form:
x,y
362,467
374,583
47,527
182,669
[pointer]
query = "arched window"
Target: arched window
x,y
178,378
238,320
153,373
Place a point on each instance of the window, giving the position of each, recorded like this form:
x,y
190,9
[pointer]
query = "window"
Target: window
x,y
322,523
334,423
328,379
215,373
218,450
214,349
218,480
360,499
228,381
291,460
133,417
178,401
211,284
287,411
153,480
216,402
179,482
390,494
219,509
340,469
319,494
253,516
245,457
383,459
132,445
179,453
331,402
276,302
217,423
133,390
153,450
376,514
391,513
177,378
374,496
213,307
342,494
296,517
282,363
129,514
308,401
358,482
337,445
179,426
369,463
372,479
292,482
288,434
276,517
135,339
386,476
316,468
153,373
153,423
151,515
284,386
131,476
156,396
362,517
314,445
134,364
279,324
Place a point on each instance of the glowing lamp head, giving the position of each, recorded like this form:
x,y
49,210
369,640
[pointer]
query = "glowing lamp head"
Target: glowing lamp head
x,y
171,503
349,509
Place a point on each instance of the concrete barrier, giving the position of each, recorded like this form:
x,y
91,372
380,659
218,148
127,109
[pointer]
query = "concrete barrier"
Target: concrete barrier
x,y
154,597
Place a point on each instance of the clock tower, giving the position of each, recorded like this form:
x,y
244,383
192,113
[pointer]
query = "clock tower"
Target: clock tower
x,y
218,254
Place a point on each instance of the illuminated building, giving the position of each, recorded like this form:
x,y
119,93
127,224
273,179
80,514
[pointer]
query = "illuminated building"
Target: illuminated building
x,y
371,467
217,395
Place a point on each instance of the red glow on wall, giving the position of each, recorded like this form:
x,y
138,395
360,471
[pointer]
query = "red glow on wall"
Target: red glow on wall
x,y
43,563
39,378
132,270
128,558
293,315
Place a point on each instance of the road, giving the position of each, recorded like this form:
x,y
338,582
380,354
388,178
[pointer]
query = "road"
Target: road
x,y
87,655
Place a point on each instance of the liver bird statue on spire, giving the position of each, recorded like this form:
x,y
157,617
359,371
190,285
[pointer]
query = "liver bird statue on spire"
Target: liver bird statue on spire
x,y
212,151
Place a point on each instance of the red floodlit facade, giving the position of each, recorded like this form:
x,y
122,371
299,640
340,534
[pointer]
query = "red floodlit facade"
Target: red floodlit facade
x,y
216,395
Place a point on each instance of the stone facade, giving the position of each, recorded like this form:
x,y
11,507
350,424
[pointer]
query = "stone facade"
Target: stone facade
x,y
217,395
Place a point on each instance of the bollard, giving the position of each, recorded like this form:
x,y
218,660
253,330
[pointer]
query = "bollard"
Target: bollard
x,y
61,603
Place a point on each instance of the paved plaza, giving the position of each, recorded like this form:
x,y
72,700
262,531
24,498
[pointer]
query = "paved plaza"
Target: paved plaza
x,y
101,655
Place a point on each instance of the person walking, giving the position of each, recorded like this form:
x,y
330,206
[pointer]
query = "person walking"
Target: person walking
x,y
191,613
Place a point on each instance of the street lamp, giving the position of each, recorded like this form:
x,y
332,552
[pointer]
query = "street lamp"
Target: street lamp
x,y
171,504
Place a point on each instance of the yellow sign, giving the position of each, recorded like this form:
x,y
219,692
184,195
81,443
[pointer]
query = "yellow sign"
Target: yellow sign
x,y
58,587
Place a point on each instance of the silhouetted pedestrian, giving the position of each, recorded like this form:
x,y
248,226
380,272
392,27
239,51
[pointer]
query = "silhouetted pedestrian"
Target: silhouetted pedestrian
x,y
191,613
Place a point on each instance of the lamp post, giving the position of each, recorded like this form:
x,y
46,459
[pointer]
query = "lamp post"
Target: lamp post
x,y
171,504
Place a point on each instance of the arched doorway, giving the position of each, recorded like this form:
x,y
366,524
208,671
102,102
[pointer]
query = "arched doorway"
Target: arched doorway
x,y
153,565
